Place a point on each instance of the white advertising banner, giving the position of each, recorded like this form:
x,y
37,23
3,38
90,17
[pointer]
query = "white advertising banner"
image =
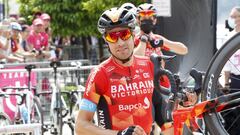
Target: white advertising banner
x,y
163,7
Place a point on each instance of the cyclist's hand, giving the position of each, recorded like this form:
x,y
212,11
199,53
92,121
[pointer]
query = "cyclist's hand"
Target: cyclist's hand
x,y
191,98
132,130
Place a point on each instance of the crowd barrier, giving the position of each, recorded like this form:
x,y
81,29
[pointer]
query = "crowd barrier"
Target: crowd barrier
x,y
70,73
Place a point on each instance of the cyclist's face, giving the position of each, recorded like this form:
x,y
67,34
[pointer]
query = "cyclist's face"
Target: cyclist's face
x,y
120,42
236,16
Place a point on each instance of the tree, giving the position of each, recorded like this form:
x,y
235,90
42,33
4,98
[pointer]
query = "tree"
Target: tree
x,y
70,17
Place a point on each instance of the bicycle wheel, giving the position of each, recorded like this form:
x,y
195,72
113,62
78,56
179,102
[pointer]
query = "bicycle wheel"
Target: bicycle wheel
x,y
37,114
216,122
4,120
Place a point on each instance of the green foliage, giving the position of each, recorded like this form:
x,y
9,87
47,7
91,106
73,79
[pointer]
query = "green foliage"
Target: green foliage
x,y
71,17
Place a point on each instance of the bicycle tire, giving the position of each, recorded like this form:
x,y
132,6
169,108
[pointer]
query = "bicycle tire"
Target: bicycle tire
x,y
37,111
4,119
210,90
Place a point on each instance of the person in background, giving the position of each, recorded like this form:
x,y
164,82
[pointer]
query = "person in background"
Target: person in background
x,y
47,33
231,69
234,21
11,41
146,41
22,21
232,73
36,40
24,34
131,7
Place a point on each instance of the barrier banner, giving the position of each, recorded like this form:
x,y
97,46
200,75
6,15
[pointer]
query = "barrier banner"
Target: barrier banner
x,y
14,79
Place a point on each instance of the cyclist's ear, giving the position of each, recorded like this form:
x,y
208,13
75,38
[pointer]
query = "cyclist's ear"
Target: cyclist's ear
x,y
104,38
154,20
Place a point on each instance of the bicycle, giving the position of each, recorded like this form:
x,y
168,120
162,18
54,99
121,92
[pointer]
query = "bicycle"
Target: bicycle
x,y
58,107
28,108
4,119
209,108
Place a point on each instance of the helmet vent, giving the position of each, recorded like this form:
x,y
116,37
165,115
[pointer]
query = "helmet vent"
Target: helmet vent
x,y
123,14
130,18
106,17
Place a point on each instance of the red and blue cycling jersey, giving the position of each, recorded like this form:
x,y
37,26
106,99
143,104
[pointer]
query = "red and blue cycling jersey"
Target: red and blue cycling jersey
x,y
121,95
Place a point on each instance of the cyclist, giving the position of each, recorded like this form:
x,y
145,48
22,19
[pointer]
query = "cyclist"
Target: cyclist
x,y
120,88
146,41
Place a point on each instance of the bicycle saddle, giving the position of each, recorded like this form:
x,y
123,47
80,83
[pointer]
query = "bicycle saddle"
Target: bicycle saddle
x,y
55,64
29,67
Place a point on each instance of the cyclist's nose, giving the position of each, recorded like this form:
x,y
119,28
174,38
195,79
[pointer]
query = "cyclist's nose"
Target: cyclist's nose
x,y
120,42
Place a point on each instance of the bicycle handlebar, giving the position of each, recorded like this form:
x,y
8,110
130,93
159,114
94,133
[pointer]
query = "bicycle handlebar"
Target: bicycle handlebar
x,y
197,76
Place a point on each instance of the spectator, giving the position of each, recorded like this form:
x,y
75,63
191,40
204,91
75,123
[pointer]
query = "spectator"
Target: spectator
x,y
25,33
36,40
11,44
47,29
232,73
22,21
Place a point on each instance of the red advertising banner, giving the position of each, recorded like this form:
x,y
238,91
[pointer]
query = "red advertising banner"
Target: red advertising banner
x,y
14,79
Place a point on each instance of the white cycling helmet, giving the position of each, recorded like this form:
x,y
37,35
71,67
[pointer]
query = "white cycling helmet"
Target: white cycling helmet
x,y
130,7
116,17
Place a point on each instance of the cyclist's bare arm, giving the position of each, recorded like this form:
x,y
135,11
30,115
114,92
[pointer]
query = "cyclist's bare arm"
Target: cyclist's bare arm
x,y
84,125
226,77
176,47
169,131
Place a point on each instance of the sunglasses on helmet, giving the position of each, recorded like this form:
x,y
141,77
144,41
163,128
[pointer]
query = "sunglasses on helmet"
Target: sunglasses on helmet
x,y
146,13
123,34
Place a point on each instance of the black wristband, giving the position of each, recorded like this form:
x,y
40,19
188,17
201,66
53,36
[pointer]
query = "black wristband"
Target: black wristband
x,y
156,43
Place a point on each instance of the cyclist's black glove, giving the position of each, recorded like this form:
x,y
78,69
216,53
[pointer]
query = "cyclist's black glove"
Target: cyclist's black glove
x,y
127,131
156,43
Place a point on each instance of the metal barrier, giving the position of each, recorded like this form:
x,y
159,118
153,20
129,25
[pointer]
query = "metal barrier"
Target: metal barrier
x,y
73,75
21,128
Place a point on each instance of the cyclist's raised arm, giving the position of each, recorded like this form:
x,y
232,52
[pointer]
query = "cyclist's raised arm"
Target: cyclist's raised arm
x,y
176,47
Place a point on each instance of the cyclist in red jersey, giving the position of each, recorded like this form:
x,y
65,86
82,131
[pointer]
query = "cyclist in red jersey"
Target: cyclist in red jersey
x,y
146,41
120,89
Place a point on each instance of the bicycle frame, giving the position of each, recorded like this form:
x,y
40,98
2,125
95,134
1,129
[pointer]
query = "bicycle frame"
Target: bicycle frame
x,y
187,115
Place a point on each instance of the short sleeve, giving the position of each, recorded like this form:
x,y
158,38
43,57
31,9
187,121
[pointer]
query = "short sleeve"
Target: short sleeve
x,y
96,84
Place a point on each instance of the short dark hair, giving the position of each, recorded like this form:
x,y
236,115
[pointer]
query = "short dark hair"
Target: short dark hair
x,y
24,27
